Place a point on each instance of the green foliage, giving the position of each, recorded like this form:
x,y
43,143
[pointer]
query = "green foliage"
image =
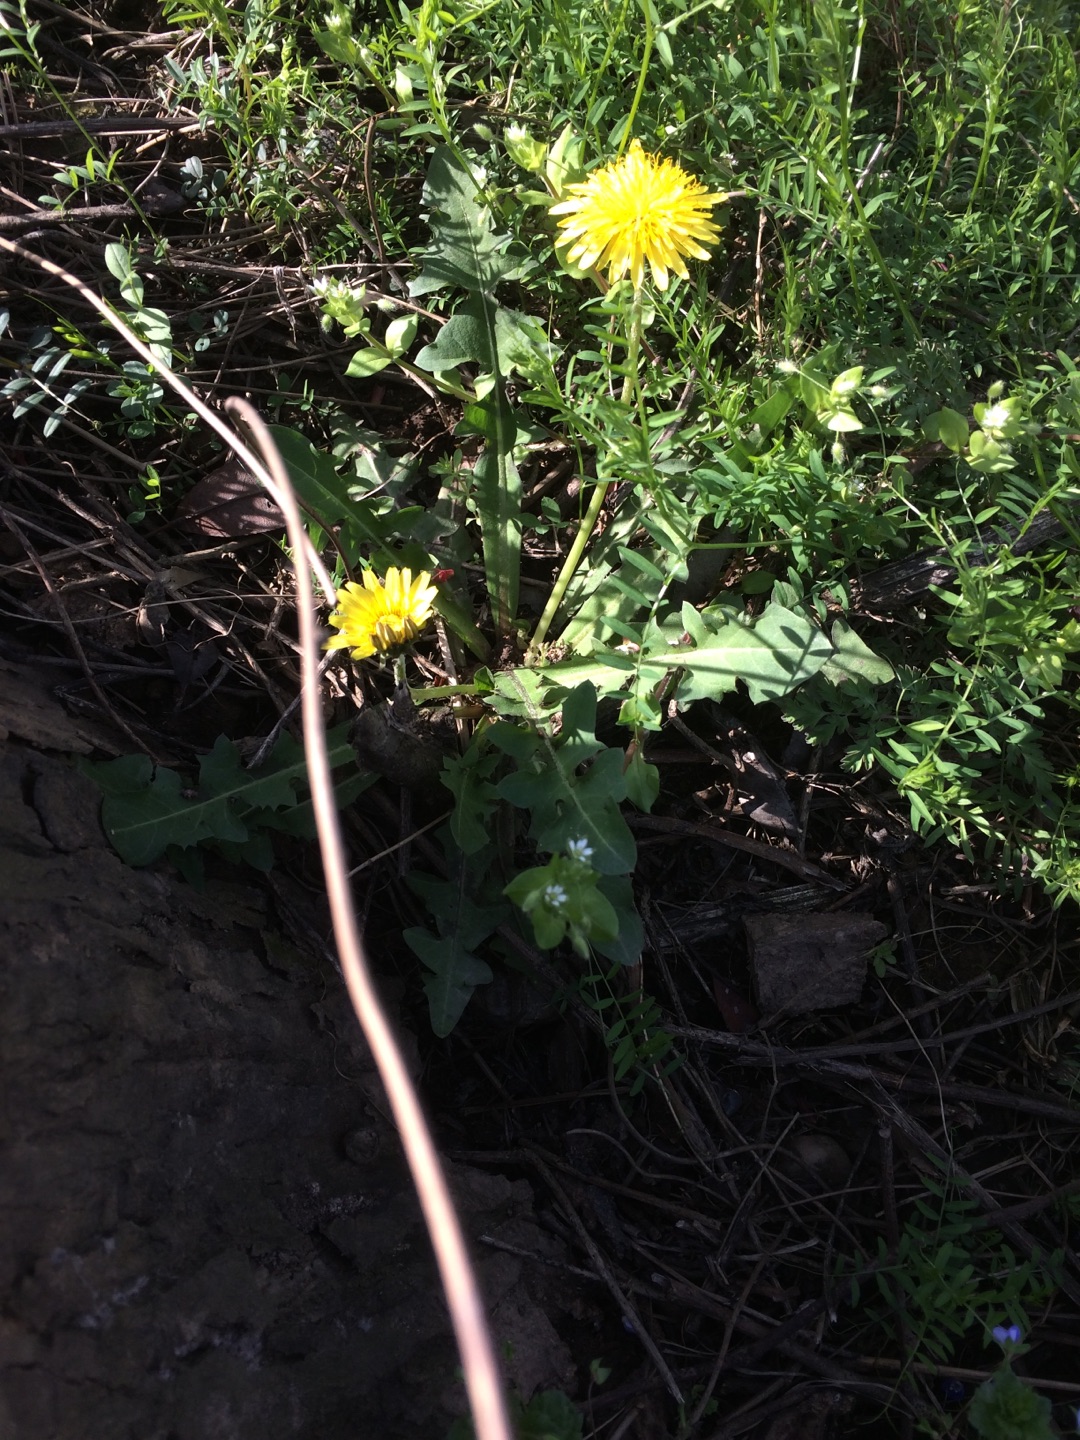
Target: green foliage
x,y
567,788
894,372
1004,1408
17,34
634,1033
467,251
880,361
571,785
563,898
149,811
335,500
949,1276
463,924
131,381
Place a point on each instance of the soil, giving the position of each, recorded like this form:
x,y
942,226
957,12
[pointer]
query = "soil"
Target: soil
x,y
208,1231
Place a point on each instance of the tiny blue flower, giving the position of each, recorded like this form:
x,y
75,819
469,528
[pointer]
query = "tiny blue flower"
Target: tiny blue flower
x,y
1007,1334
579,849
555,896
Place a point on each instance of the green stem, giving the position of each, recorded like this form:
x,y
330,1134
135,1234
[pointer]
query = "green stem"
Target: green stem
x,y
446,386
631,387
443,692
646,10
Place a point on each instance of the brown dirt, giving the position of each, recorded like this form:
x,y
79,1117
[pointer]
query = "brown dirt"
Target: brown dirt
x,y
208,1230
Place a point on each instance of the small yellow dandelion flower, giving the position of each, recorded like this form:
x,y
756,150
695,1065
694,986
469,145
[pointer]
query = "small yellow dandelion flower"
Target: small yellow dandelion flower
x,y
381,614
636,209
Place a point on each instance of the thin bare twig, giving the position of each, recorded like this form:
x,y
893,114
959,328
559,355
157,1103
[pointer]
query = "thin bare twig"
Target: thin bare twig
x,y
604,1271
181,388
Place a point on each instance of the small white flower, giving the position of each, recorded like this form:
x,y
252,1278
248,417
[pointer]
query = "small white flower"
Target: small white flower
x,y
554,896
579,849
995,417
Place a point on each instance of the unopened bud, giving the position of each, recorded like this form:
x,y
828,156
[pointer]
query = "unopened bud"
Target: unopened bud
x,y
530,154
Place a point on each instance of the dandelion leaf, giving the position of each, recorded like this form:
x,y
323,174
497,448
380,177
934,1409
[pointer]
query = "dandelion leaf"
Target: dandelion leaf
x,y
465,251
333,498
778,652
492,337
147,811
567,805
463,925
852,659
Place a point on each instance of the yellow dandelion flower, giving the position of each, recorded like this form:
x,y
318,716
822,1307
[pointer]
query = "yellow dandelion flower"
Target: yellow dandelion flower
x,y
381,614
636,209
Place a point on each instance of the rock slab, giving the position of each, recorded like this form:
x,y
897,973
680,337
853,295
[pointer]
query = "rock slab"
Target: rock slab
x,y
801,963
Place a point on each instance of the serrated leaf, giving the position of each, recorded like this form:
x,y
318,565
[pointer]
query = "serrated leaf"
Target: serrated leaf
x,y
642,780
852,659
494,338
467,338
567,805
147,811
220,773
456,974
327,494
141,826
780,651
474,797
463,925
521,343
466,251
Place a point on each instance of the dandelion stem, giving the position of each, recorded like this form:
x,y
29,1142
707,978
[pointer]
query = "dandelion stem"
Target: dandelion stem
x,y
631,387
643,70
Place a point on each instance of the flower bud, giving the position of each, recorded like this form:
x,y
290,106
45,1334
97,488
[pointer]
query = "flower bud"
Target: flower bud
x,y
530,154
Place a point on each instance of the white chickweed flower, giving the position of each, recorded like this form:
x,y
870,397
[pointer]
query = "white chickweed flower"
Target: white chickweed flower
x,y
995,417
579,849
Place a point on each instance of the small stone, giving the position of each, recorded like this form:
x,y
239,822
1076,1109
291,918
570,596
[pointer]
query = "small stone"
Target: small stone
x,y
817,1162
809,962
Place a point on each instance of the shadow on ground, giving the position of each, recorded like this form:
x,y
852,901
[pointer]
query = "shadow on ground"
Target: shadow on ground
x,y
207,1228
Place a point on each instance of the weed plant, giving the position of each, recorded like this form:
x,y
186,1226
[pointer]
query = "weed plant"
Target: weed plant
x,y
900,253
879,360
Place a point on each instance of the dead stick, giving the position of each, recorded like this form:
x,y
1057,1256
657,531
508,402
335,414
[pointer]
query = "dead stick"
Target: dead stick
x,y
603,1270
482,1379
787,858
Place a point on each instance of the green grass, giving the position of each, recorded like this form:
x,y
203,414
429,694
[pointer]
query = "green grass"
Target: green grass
x,y
905,217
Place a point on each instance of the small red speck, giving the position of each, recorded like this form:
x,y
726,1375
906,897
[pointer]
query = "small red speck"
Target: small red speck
x,y
441,576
